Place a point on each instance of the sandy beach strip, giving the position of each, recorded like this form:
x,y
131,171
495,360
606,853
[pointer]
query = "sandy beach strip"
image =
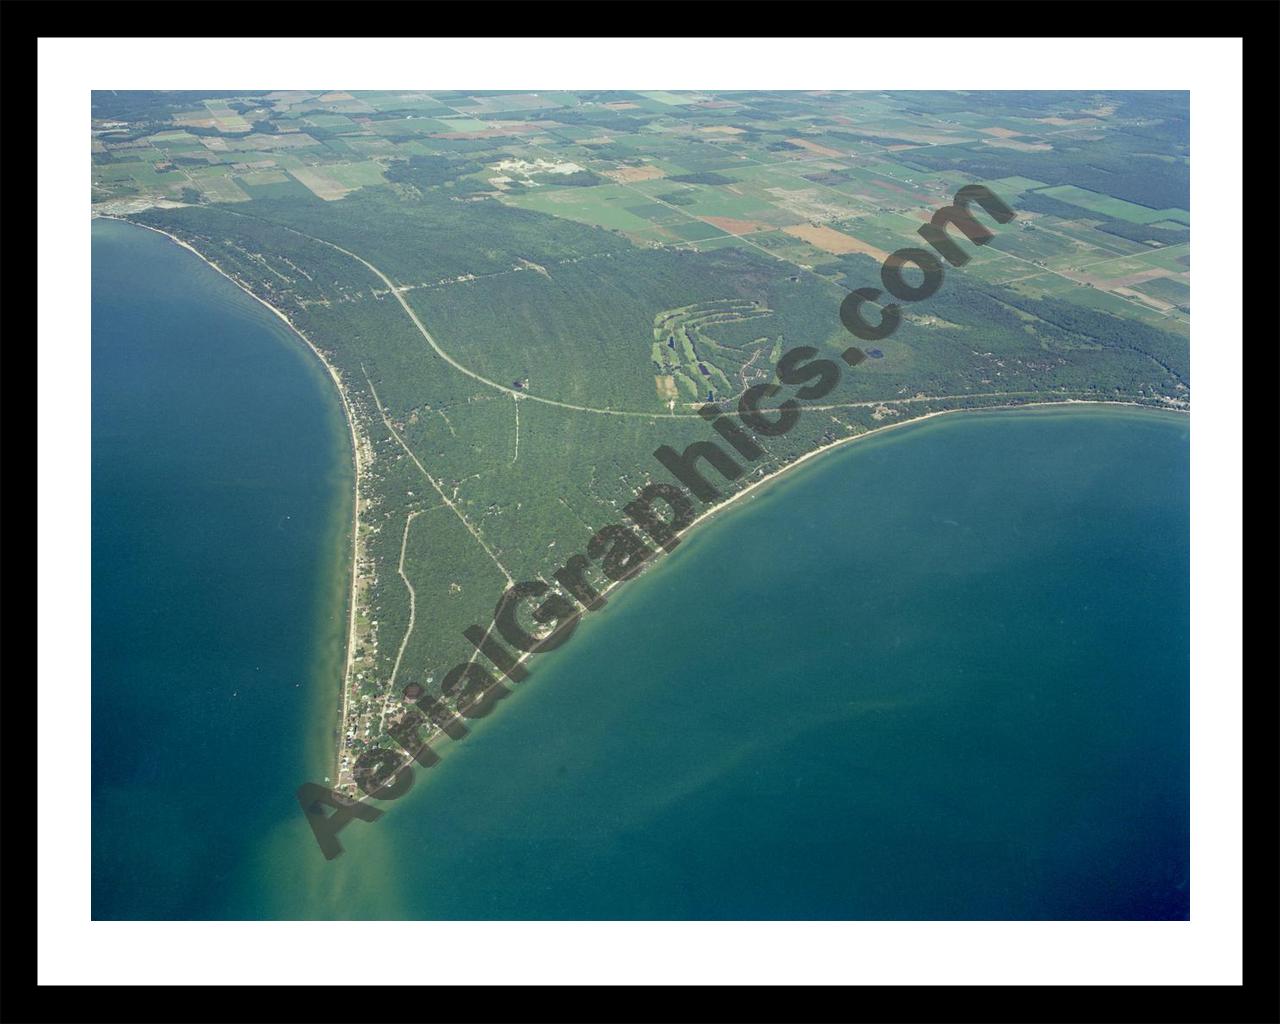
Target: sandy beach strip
x,y
714,510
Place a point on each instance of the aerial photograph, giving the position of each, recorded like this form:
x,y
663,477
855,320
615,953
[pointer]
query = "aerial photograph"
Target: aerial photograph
x,y
651,505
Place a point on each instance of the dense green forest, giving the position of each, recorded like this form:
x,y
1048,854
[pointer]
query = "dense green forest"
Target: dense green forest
x,y
584,316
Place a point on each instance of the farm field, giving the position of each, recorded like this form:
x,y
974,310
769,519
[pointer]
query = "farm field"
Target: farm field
x,y
524,294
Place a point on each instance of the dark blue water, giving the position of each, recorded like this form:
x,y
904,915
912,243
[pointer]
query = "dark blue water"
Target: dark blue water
x,y
941,673
221,480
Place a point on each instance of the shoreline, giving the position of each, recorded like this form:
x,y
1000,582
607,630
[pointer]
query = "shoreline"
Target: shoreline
x,y
432,742
838,442
441,749
356,467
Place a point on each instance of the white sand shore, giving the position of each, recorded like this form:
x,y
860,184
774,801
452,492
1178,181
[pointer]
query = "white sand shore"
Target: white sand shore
x,y
706,515
355,456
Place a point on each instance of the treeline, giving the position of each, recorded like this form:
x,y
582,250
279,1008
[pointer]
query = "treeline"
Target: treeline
x,y
154,105
613,120
577,178
1087,348
702,178
1145,232
427,239
879,140
606,150
426,172
1038,202
1112,165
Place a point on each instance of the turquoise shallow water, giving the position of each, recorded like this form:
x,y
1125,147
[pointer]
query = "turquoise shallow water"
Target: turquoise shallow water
x,y
940,673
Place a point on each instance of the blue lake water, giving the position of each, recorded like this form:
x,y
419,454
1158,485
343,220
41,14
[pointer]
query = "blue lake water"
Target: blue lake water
x,y
221,496
939,673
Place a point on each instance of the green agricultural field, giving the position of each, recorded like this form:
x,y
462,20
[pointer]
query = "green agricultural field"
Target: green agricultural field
x,y
695,231
1174,257
1112,207
1167,289
1009,187
1030,242
719,201
606,206
463,124
659,213
264,178
1117,305
367,172
219,188
668,98
719,242
513,353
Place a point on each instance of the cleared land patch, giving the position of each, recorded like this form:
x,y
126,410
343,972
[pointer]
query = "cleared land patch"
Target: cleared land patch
x,y
320,183
1112,207
646,173
1021,147
814,147
700,347
831,240
737,227
536,293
